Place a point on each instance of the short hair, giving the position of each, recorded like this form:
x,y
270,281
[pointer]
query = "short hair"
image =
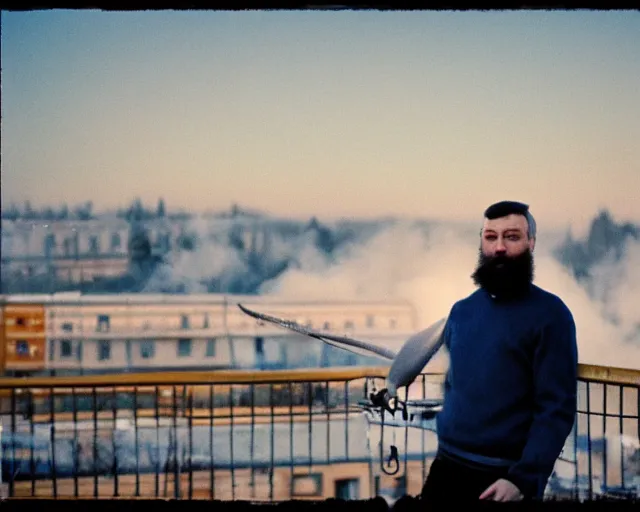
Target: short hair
x,y
504,208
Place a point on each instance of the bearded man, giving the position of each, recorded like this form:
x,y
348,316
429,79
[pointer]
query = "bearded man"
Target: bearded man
x,y
511,389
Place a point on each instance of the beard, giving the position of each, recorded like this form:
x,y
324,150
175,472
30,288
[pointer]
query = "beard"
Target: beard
x,y
506,277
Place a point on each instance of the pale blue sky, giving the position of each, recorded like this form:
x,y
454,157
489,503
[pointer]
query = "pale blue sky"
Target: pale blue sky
x,y
431,114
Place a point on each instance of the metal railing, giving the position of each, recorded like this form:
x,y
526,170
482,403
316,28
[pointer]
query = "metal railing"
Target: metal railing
x,y
603,451
268,435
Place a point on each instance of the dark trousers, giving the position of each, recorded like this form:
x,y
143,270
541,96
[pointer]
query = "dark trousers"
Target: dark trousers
x,y
450,481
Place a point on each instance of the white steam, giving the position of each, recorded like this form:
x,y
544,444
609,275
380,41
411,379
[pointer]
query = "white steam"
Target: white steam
x,y
434,271
616,285
431,270
187,270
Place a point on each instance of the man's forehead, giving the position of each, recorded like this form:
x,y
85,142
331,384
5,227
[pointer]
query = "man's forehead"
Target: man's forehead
x,y
517,222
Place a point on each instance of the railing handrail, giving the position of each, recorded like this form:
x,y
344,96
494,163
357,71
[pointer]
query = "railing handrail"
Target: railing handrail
x,y
198,377
590,373
609,374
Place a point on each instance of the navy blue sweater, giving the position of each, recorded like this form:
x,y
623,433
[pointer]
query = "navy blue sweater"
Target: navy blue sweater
x,y
510,392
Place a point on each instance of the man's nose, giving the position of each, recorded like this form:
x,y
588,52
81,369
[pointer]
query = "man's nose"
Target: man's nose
x,y
500,247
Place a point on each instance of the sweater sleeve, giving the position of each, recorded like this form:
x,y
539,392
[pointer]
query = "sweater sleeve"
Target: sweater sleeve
x,y
555,374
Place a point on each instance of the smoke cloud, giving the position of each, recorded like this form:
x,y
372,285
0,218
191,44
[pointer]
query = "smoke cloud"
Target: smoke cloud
x,y
433,271
430,266
186,271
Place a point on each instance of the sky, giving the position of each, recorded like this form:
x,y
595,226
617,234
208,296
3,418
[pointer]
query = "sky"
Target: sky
x,y
429,114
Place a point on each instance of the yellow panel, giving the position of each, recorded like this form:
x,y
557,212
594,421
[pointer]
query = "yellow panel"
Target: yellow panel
x,y
24,319
26,352
23,337
2,341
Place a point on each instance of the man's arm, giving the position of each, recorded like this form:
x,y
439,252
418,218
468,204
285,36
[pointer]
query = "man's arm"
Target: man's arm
x,y
555,373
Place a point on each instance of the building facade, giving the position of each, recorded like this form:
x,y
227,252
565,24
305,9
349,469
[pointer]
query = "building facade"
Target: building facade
x,y
80,334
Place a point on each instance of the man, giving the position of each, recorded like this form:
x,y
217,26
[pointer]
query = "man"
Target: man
x,y
510,391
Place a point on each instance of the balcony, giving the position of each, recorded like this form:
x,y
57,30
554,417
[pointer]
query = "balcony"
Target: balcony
x,y
271,436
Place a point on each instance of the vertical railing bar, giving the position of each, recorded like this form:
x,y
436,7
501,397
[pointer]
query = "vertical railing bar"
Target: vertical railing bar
x,y
176,463
310,428
604,435
189,394
576,483
212,491
13,467
136,439
94,397
622,476
252,483
423,457
158,426
231,461
272,468
589,451
372,487
406,444
76,463
290,439
53,443
32,432
328,411
346,419
114,468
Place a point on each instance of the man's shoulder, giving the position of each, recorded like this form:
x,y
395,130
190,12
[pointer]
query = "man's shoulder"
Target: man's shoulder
x,y
470,300
551,302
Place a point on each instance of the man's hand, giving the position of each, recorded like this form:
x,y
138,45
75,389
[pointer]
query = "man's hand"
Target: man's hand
x,y
502,490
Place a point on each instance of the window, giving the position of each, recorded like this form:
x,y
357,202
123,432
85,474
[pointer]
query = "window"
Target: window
x,y
116,242
348,489
326,326
20,321
104,350
67,246
348,324
103,323
147,349
370,321
211,348
184,321
67,327
306,485
22,348
205,322
94,245
260,345
49,243
66,348
184,348
392,323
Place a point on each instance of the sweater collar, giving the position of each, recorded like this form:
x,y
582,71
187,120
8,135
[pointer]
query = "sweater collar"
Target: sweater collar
x,y
526,293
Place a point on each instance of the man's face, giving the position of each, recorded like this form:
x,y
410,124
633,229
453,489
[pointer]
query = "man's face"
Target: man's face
x,y
506,236
505,263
